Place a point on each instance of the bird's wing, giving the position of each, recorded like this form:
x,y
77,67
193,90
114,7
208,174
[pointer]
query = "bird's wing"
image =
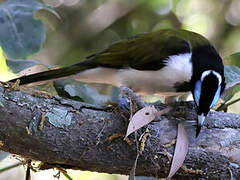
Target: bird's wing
x,y
148,51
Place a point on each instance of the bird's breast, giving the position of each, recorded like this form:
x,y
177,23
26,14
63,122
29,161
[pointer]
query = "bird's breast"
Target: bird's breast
x,y
166,81
177,71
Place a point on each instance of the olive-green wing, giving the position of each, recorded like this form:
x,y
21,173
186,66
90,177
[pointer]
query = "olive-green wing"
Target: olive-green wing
x,y
148,51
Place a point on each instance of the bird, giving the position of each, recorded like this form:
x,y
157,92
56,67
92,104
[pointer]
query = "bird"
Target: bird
x,y
168,62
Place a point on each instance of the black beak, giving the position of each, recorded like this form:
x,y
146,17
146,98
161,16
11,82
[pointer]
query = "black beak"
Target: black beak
x,y
198,130
201,119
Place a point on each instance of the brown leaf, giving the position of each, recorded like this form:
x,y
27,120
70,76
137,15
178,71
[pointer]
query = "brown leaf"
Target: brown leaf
x,y
164,111
33,69
141,118
180,151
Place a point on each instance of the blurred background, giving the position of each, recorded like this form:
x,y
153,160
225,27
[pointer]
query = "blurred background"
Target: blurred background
x,y
87,26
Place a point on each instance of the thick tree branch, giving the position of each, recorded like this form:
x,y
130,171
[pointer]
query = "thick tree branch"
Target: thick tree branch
x,y
70,134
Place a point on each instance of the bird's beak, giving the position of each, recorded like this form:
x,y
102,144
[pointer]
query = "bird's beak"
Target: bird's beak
x,y
201,119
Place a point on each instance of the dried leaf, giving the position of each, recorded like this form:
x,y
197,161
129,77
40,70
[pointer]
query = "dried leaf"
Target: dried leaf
x,y
164,111
33,69
18,66
180,151
141,118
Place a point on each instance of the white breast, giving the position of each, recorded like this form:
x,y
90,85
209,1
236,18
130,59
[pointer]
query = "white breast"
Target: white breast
x,y
178,69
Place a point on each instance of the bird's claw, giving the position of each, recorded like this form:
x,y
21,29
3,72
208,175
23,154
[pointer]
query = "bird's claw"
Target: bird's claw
x,y
123,105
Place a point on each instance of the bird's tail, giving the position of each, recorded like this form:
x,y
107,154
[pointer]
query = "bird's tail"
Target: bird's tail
x,y
56,73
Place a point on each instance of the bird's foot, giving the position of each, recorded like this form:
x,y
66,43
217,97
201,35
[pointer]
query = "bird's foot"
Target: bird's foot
x,y
190,104
129,100
128,103
187,104
123,105
133,98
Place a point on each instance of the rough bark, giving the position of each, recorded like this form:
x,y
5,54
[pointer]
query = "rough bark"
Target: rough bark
x,y
70,134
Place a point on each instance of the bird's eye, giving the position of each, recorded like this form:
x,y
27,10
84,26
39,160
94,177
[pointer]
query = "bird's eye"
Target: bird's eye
x,y
197,91
216,97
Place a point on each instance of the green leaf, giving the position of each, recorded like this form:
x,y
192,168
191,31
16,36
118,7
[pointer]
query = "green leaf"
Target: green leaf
x,y
232,76
5,74
20,34
19,65
79,91
233,59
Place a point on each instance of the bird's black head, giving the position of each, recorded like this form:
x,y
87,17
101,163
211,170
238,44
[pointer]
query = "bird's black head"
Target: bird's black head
x,y
207,91
207,81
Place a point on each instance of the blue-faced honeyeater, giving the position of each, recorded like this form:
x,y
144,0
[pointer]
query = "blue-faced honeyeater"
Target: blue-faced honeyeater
x,y
167,62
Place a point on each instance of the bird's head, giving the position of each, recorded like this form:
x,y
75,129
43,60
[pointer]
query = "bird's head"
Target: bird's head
x,y
206,92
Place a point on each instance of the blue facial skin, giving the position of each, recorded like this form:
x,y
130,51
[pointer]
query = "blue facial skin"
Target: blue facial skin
x,y
197,94
216,97
197,91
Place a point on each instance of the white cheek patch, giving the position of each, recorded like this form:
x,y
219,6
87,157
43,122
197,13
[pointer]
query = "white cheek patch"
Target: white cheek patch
x,y
218,76
205,73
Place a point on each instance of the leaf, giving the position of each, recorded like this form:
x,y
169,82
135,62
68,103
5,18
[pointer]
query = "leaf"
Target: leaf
x,y
47,18
20,34
5,74
164,111
233,59
141,118
17,66
79,91
232,76
180,151
231,73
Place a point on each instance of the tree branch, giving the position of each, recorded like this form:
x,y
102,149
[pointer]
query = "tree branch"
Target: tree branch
x,y
69,134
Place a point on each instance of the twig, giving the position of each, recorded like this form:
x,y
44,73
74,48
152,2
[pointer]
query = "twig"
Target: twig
x,y
224,106
10,167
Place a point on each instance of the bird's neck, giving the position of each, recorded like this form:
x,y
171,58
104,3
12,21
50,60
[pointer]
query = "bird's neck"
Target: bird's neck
x,y
205,58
